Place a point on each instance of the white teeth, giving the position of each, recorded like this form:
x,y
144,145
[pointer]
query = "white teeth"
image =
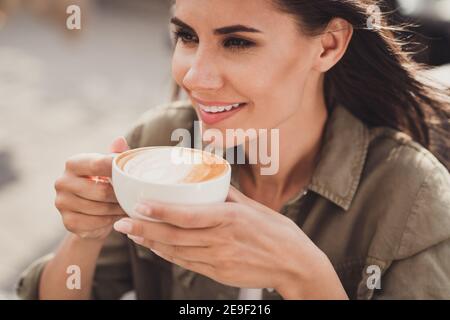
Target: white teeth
x,y
217,109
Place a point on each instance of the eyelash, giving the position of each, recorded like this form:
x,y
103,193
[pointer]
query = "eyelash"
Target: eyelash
x,y
188,38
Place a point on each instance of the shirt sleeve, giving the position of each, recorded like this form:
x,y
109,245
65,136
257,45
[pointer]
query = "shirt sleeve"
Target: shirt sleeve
x,y
425,275
113,273
112,276
421,268
27,287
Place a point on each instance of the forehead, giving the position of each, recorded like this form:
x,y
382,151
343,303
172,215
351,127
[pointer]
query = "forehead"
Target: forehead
x,y
218,13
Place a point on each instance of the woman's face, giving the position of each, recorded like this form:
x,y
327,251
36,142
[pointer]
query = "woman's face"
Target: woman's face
x,y
245,55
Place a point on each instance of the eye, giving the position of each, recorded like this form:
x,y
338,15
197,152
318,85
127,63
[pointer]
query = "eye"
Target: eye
x,y
237,43
185,36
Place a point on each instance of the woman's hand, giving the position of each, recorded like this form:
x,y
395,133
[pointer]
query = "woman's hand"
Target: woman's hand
x,y
85,198
239,243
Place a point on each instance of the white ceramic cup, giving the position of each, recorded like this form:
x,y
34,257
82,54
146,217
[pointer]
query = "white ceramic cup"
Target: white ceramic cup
x,y
131,191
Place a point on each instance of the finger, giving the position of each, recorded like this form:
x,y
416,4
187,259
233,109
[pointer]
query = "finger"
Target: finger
x,y
198,267
79,222
186,216
72,202
164,233
234,195
190,253
119,145
87,188
90,164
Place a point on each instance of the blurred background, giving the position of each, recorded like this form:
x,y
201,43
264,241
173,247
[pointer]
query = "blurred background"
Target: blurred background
x,y
64,92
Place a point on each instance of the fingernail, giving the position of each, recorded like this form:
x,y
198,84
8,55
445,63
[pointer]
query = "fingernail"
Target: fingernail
x,y
124,226
143,209
138,240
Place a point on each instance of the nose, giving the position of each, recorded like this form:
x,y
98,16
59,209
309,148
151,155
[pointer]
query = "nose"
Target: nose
x,y
204,73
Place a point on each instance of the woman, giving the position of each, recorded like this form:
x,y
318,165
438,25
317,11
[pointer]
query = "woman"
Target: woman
x,y
359,207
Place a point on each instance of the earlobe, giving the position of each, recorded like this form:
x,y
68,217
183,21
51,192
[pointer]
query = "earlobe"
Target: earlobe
x,y
334,43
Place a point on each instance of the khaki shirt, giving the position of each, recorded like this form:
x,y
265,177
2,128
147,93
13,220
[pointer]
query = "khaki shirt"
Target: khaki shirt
x,y
378,202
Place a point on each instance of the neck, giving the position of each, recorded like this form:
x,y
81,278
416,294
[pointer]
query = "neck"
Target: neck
x,y
300,140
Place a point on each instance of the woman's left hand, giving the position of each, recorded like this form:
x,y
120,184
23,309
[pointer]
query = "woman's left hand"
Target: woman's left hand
x,y
239,243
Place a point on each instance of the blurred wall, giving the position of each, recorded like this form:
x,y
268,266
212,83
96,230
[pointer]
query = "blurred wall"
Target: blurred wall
x,y
64,92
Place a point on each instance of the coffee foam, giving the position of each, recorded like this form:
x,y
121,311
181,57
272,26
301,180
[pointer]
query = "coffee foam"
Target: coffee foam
x,y
172,165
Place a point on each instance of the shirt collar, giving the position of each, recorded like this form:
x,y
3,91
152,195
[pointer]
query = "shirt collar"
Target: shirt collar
x,y
341,158
340,161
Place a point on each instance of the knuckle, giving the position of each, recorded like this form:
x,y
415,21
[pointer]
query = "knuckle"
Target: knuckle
x,y
189,219
58,185
226,269
70,221
172,235
59,202
105,222
158,211
228,254
118,212
113,209
149,243
227,265
231,212
95,165
137,229
216,258
111,220
105,209
230,235
71,163
177,250
105,191
220,237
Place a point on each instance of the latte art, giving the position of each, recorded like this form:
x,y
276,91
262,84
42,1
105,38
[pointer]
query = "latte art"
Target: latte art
x,y
172,165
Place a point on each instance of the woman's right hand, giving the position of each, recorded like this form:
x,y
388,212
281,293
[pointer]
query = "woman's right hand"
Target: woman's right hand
x,y
84,196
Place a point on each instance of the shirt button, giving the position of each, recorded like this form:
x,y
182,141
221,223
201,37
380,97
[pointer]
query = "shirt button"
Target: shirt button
x,y
270,290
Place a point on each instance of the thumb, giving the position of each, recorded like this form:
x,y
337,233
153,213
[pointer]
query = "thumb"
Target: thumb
x,y
119,145
234,195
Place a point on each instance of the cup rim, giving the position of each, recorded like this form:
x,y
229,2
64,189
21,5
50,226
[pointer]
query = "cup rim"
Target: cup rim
x,y
181,184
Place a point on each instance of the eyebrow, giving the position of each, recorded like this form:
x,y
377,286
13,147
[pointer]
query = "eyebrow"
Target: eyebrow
x,y
219,31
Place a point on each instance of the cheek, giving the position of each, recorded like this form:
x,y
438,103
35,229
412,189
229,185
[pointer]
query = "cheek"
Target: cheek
x,y
180,66
277,90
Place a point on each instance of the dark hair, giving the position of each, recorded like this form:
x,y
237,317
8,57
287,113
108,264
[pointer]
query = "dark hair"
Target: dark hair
x,y
377,80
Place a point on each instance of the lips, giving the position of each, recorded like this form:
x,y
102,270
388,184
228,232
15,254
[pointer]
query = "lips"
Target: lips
x,y
214,112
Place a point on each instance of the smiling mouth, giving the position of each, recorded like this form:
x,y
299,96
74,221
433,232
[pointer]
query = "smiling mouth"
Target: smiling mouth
x,y
220,109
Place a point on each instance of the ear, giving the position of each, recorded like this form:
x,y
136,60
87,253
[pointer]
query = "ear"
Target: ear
x,y
334,43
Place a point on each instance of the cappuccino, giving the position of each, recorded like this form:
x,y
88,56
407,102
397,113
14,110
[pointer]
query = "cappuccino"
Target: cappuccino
x,y
168,165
